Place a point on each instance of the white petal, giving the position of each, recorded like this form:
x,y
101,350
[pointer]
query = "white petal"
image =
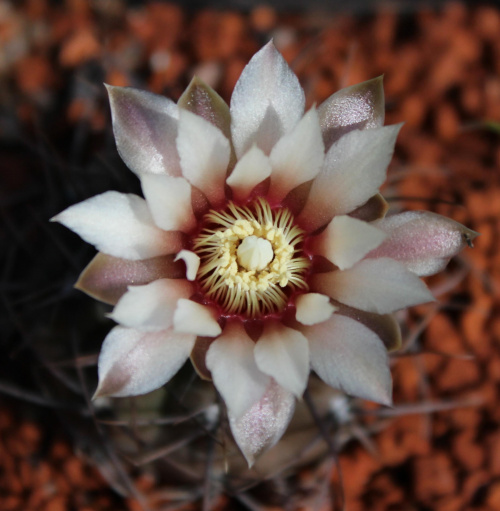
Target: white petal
x,y
145,127
204,153
423,241
169,200
267,102
192,262
132,362
194,318
354,168
347,240
349,356
374,285
264,424
236,376
250,170
297,157
151,307
119,225
283,353
312,308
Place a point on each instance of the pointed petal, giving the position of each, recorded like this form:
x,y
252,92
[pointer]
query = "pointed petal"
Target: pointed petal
x,y
267,102
192,262
151,307
374,208
264,424
297,157
349,356
354,168
106,278
120,225
193,318
312,308
347,240
204,153
145,127
236,376
200,99
424,242
134,362
374,285
385,326
250,170
283,353
169,200
358,107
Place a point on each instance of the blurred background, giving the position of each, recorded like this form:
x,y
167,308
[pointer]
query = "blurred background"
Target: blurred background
x,y
437,449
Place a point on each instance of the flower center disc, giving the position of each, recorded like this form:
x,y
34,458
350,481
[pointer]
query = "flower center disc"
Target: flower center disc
x,y
251,258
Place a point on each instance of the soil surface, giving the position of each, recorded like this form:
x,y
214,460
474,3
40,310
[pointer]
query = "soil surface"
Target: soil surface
x,y
439,448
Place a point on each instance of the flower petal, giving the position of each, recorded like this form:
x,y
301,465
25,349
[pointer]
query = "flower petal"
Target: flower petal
x,y
385,326
106,278
119,225
283,353
354,168
349,356
374,285
358,107
312,308
194,318
251,169
236,376
423,241
145,127
200,99
297,157
267,102
151,307
132,362
169,200
192,262
347,240
204,153
264,424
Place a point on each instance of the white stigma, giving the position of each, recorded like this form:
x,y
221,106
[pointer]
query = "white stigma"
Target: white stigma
x,y
254,253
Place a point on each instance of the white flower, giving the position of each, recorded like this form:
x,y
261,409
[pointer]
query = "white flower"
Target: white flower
x,y
262,229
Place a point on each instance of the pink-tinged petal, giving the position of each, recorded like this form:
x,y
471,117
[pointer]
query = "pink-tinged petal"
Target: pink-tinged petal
x,y
347,240
374,208
354,168
107,278
312,308
134,362
350,357
358,107
204,153
267,102
385,326
200,99
283,353
192,262
194,318
145,127
151,307
120,225
230,359
264,424
374,285
169,200
424,242
297,157
250,170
